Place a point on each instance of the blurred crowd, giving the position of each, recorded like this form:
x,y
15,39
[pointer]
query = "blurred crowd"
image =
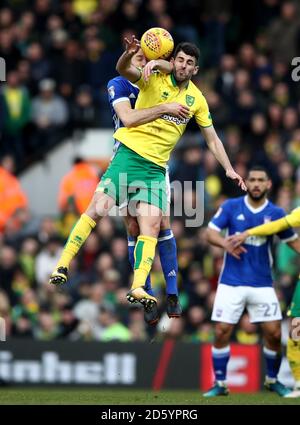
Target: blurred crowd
x,y
59,57
61,54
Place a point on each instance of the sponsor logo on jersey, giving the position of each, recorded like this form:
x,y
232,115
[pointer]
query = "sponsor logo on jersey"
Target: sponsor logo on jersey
x,y
177,121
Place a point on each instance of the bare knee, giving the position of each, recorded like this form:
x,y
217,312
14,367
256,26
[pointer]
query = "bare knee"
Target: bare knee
x,y
150,227
100,206
132,226
222,334
91,210
273,336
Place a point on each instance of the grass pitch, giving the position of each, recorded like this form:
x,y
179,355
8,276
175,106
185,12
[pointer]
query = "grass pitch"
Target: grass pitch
x,y
86,396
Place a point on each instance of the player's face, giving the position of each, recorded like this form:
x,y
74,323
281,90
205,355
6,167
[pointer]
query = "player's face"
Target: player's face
x,y
184,67
258,185
139,59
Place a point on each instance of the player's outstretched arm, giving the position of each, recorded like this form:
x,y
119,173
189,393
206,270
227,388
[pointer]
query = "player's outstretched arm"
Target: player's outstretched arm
x,y
268,229
217,148
134,117
215,238
158,64
271,228
124,66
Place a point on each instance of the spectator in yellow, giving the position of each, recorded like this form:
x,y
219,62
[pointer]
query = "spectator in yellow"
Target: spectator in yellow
x,y
84,8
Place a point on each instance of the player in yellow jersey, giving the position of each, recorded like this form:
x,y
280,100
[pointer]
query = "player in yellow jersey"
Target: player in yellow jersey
x,y
137,171
293,345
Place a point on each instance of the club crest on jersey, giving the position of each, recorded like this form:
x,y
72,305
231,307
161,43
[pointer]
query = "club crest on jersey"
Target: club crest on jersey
x,y
111,91
189,100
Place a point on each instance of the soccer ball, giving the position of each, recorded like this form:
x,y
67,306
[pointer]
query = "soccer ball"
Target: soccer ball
x,y
157,43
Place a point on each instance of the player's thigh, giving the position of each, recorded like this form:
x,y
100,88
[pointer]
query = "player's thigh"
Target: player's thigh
x,y
229,304
131,224
263,305
100,205
149,218
168,186
165,220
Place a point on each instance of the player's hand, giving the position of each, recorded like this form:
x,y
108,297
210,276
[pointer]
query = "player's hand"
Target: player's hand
x,y
235,251
177,110
132,45
237,240
231,174
148,68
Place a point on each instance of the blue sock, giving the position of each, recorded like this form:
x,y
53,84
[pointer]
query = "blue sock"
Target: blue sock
x,y
220,357
168,258
131,246
273,361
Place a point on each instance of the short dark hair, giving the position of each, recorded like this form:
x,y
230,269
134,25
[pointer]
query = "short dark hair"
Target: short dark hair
x,y
189,49
258,168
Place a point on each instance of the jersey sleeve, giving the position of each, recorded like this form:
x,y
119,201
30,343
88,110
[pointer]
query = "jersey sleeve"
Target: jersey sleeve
x,y
286,235
294,218
221,219
202,115
117,91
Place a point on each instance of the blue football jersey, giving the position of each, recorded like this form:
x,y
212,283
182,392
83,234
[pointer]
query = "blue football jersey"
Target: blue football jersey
x,y
255,266
119,89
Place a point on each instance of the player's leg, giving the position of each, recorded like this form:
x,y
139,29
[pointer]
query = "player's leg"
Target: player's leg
x,y
293,345
99,207
133,230
272,348
168,258
264,308
150,311
228,307
105,197
220,357
149,217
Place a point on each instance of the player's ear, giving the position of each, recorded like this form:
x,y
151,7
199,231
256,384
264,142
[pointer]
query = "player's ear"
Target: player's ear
x,y
269,184
196,70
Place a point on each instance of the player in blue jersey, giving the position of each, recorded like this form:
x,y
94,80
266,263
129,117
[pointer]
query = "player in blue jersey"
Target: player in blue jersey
x,y
122,95
246,279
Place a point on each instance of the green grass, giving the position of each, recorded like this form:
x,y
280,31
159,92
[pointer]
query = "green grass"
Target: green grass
x,y
126,397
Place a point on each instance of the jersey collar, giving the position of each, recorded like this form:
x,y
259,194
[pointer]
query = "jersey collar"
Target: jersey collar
x,y
174,82
255,210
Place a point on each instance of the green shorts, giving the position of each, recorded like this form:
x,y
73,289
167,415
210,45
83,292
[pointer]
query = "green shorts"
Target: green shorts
x,y
294,310
130,178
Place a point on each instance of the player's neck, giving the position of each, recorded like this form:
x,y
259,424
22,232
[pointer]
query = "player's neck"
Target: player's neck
x,y
255,203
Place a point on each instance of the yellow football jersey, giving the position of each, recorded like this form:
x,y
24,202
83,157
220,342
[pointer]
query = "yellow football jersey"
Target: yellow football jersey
x,y
156,140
